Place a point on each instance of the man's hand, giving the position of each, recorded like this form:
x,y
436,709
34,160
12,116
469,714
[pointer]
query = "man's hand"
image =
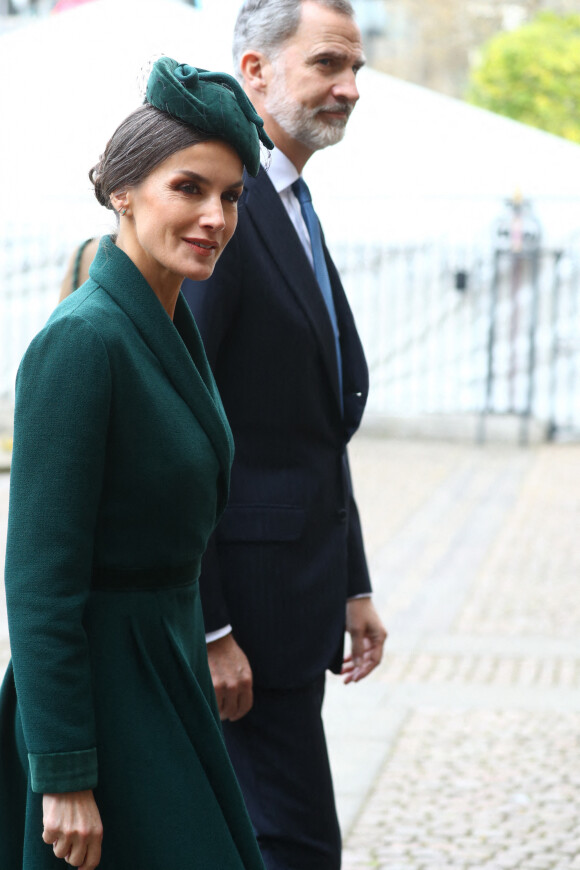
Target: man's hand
x,y
367,635
232,677
72,826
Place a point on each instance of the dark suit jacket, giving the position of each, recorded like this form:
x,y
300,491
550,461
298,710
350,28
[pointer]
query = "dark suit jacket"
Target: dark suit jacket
x,y
288,551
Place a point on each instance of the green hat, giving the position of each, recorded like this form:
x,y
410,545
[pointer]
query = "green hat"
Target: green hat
x,y
214,102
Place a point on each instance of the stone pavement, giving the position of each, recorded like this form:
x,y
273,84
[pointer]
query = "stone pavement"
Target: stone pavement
x,y
463,749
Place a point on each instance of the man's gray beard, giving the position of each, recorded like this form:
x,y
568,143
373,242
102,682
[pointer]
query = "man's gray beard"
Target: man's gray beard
x,y
305,125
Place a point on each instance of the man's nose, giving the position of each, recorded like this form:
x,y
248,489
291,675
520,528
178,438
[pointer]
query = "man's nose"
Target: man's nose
x,y
346,88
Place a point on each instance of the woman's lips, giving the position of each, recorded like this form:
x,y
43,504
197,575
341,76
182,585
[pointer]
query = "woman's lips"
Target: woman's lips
x,y
203,247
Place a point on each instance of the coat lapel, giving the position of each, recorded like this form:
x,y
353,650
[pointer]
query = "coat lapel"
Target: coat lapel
x,y
268,215
177,345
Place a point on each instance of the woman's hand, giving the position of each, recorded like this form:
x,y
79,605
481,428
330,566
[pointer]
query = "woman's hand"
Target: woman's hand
x,y
72,825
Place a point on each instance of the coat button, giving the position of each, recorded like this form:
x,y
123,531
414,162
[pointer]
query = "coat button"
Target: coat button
x,y
341,515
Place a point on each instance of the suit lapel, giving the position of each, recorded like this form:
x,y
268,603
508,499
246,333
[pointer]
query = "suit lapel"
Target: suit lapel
x,y
267,212
177,345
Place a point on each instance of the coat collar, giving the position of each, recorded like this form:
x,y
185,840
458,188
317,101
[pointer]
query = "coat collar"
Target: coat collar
x,y
176,344
262,202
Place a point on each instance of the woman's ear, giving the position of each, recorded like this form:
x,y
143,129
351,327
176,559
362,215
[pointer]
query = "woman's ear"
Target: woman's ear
x,y
120,201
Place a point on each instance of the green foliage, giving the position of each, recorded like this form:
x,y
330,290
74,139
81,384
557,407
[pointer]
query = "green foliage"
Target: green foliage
x,y
532,74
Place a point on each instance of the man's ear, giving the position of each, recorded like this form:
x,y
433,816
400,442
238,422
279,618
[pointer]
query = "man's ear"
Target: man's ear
x,y
254,67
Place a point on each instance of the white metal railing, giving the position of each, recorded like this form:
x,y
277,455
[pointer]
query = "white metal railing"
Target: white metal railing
x,y
454,331
445,330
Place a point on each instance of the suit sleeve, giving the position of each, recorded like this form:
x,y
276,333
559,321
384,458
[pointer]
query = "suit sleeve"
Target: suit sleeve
x,y
214,304
359,581
61,416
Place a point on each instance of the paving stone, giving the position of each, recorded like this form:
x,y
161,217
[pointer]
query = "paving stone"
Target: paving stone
x,y
540,862
496,778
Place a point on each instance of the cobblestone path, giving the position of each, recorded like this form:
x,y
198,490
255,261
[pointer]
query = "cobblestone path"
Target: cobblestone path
x,y
463,749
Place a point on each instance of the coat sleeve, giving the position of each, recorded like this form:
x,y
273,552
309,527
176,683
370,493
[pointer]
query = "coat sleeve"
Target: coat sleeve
x,y
63,396
214,305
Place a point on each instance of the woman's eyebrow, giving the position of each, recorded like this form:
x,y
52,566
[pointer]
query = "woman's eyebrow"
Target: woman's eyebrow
x,y
195,176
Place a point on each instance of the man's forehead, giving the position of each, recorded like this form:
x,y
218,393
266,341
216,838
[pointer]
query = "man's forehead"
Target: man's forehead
x,y
352,53
324,30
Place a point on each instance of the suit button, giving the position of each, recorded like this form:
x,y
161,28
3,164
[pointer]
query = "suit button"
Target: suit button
x,y
341,515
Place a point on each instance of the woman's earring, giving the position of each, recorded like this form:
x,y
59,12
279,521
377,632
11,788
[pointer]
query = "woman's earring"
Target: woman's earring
x,y
123,211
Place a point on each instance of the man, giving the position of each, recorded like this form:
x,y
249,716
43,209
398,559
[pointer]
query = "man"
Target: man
x,y
286,570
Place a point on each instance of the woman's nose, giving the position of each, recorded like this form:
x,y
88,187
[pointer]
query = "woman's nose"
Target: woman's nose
x,y
213,214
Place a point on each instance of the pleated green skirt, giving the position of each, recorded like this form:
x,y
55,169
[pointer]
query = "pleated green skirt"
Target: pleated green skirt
x,y
167,793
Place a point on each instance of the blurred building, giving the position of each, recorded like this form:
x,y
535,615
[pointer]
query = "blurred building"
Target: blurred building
x,y
434,42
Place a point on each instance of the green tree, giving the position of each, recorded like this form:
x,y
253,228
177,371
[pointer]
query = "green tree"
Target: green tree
x,y
532,74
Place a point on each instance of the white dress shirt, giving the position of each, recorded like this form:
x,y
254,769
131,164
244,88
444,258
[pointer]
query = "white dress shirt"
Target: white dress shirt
x,y
283,174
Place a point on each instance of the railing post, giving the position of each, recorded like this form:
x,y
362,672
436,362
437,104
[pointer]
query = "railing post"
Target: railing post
x,y
554,346
534,256
481,431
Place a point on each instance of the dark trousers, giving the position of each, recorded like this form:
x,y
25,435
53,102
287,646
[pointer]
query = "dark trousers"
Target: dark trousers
x,y
279,753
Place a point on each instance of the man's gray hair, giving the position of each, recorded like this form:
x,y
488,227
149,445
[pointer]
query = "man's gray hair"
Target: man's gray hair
x,y
264,25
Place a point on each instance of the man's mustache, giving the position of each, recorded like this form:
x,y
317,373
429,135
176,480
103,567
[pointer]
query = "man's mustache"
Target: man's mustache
x,y
345,108
338,107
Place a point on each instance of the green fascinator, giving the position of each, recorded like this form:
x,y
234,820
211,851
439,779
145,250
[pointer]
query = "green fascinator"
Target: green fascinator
x,y
214,102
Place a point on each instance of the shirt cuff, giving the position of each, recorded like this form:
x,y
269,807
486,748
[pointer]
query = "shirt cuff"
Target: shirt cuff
x,y
217,634
360,595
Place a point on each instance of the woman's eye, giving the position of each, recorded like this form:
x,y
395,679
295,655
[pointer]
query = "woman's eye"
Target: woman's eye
x,y
189,187
232,196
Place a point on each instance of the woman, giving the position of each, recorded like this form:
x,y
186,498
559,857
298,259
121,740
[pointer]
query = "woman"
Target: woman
x,y
109,732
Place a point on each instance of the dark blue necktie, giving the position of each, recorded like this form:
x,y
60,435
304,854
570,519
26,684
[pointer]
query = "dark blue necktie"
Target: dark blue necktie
x,y
302,193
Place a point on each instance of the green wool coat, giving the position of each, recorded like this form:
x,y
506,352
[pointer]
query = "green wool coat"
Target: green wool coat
x,y
120,472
